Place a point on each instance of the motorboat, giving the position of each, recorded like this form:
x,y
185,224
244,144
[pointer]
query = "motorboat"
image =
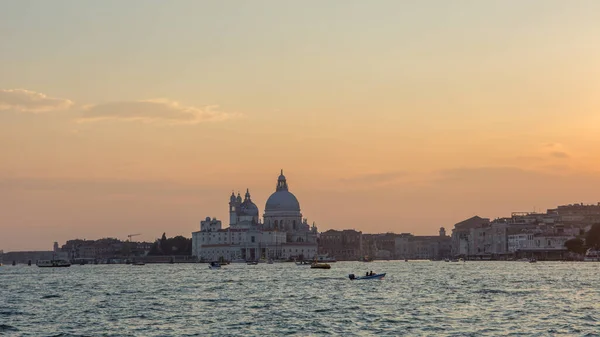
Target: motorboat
x,y
52,263
214,265
367,277
532,261
138,263
303,263
592,255
252,263
317,265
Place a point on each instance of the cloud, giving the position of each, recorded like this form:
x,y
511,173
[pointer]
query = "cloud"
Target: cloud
x,y
31,101
152,111
104,186
376,178
559,154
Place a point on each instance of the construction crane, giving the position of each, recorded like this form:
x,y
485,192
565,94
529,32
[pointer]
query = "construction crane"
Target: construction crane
x,y
131,235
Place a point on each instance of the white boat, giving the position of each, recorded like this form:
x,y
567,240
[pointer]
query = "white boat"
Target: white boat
x,y
592,255
214,265
52,263
303,263
325,258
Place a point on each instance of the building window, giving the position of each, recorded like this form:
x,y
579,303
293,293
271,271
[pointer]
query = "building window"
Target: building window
x,y
252,238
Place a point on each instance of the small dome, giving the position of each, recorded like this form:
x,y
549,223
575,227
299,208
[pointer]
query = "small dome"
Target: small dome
x,y
248,208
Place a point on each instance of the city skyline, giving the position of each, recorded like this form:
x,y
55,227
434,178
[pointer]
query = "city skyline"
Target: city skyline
x,y
141,117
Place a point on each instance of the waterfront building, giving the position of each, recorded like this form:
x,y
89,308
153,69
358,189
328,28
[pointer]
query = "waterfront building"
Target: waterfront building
x,y
343,245
26,257
284,233
578,214
464,234
431,247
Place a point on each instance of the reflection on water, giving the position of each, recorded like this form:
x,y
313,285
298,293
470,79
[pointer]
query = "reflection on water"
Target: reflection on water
x,y
415,298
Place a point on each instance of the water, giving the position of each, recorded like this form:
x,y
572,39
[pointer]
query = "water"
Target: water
x,y
416,298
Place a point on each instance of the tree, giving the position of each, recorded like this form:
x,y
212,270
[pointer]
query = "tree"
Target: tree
x,y
592,237
575,246
178,245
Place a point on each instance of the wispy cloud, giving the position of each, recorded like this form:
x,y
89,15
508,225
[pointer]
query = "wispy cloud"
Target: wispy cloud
x,y
376,178
102,186
31,101
153,111
559,154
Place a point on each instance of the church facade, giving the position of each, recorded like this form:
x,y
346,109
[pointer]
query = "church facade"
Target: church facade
x,y
283,234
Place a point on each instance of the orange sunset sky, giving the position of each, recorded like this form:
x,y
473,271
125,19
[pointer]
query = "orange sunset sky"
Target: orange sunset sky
x,y
120,117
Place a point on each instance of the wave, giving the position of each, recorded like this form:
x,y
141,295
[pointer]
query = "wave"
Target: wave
x,y
7,328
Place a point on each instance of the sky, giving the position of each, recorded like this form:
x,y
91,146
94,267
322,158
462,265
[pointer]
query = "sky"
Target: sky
x,y
122,117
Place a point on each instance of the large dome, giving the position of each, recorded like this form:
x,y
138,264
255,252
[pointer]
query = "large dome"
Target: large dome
x,y
282,199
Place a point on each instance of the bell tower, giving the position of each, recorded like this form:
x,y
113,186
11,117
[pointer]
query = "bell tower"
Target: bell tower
x,y
233,208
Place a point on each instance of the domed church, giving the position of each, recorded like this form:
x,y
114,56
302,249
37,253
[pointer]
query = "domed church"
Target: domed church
x,y
284,234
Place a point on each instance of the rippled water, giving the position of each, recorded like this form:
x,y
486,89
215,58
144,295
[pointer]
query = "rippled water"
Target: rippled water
x,y
416,298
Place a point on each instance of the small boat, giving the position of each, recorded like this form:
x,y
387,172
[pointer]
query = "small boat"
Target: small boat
x,y
252,263
138,263
592,255
532,261
367,277
214,265
302,263
52,263
366,259
446,260
320,266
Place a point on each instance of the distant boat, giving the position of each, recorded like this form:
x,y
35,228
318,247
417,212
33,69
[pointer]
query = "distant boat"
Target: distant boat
x,y
367,277
367,259
320,266
138,263
532,261
214,265
52,263
252,263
